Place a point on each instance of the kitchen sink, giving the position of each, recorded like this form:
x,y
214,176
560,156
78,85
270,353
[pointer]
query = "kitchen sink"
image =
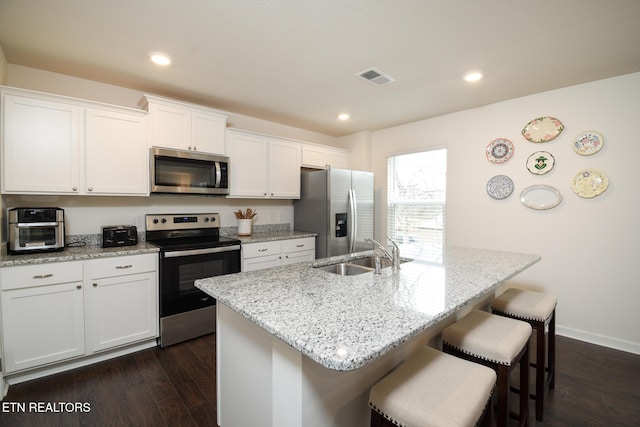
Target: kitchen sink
x,y
371,263
346,269
356,266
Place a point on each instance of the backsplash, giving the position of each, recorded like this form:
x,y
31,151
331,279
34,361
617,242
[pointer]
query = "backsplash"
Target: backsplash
x,y
96,239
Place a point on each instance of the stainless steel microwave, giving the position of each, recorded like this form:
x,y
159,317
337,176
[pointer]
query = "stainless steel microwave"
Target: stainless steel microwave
x,y
188,172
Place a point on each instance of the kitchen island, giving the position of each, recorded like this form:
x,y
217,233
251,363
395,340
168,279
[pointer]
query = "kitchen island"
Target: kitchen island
x,y
299,346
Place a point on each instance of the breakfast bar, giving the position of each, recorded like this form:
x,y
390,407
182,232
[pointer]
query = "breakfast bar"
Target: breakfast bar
x,y
301,346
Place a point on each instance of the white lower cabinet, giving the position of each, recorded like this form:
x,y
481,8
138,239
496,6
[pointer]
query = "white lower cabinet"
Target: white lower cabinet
x,y
256,256
42,314
60,311
121,301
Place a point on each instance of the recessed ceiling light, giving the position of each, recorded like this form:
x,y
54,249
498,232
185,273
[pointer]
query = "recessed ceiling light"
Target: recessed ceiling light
x,y
160,58
343,116
473,76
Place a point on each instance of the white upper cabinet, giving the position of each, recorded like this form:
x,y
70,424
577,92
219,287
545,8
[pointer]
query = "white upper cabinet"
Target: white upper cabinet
x,y
57,145
40,145
185,126
263,166
322,157
116,153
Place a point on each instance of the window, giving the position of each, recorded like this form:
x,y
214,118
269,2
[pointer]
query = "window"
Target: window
x,y
416,193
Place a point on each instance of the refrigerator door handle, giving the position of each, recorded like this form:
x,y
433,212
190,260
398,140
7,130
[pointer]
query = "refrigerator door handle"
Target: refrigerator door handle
x,y
353,214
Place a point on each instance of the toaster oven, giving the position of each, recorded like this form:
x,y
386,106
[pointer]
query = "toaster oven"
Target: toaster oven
x,y
35,230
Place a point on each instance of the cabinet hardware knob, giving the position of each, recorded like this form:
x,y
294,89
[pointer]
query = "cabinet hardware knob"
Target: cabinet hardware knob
x,y
43,276
95,285
75,188
79,287
90,188
121,267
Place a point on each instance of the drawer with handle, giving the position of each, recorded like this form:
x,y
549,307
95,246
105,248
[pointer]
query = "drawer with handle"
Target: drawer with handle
x,y
252,250
27,276
298,245
117,266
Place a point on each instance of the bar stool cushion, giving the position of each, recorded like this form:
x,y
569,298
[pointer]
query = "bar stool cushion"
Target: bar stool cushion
x,y
433,389
487,336
524,304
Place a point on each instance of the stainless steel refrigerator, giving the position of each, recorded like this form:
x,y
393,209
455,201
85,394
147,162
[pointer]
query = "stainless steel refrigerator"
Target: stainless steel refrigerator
x,y
338,205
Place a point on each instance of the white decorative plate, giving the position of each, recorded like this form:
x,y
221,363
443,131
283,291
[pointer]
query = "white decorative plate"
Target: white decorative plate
x,y
540,162
589,183
588,143
500,187
499,150
540,197
542,129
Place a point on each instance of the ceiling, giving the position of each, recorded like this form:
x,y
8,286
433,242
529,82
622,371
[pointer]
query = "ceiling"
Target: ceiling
x,y
296,61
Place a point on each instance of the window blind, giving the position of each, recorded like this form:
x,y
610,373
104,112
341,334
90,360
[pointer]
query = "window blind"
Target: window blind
x,y
416,202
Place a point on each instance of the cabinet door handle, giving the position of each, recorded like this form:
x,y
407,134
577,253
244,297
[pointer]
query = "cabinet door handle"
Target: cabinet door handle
x,y
95,285
299,246
43,276
79,287
122,267
262,250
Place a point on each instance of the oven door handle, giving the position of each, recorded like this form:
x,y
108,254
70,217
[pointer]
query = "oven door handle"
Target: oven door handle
x,y
188,252
35,224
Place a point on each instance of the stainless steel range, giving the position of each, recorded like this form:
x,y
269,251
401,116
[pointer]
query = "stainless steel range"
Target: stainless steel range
x,y
191,248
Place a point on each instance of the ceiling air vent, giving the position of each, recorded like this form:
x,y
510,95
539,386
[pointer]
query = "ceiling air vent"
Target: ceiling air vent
x,y
376,77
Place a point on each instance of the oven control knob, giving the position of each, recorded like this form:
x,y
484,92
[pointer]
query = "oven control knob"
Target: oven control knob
x,y
163,220
213,219
206,219
155,220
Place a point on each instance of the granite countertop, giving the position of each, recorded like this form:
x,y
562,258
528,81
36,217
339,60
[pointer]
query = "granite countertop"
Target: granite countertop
x,y
274,235
75,254
343,322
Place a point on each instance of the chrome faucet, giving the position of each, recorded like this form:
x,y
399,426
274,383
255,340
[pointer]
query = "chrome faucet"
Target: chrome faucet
x,y
394,256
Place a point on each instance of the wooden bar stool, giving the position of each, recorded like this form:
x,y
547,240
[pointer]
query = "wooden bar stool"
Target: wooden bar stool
x,y
499,343
433,389
539,310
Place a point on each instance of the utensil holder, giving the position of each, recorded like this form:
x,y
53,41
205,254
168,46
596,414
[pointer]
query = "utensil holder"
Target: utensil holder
x,y
244,227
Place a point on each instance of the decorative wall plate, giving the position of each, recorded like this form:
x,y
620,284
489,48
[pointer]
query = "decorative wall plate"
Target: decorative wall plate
x,y
589,183
540,197
500,187
588,143
540,162
542,129
499,150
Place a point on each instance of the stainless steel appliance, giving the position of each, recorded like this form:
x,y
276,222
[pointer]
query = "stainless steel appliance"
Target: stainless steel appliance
x,y
337,204
35,230
191,248
188,172
119,235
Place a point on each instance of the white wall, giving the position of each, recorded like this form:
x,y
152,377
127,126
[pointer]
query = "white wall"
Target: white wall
x,y
3,67
589,247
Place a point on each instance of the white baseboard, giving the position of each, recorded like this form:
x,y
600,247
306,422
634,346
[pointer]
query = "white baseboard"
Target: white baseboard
x,y
615,343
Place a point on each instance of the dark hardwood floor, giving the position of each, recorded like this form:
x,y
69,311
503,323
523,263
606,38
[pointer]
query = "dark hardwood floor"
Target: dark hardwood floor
x,y
595,386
